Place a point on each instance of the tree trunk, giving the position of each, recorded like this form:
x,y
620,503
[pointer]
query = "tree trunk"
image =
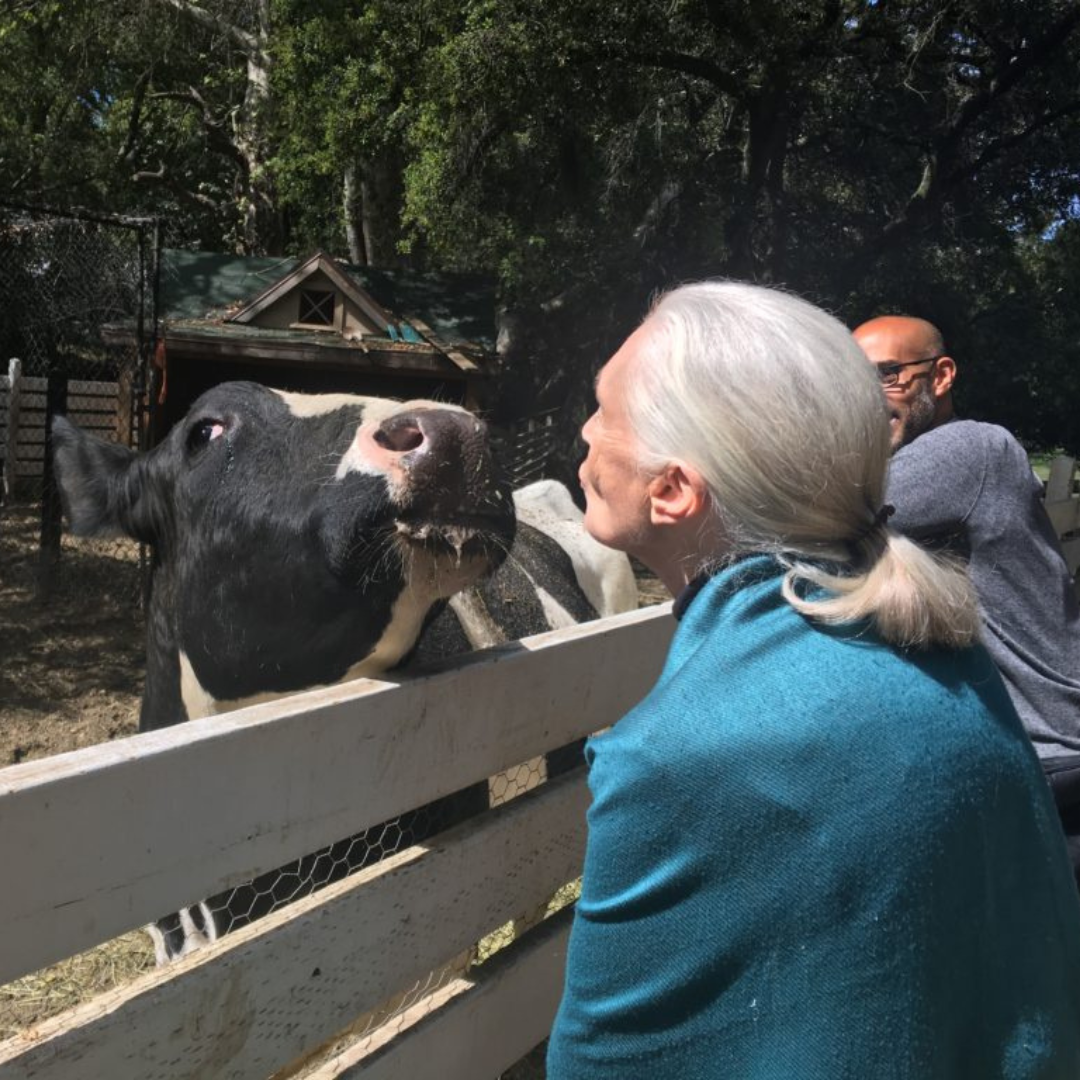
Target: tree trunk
x,y
380,206
261,219
762,172
352,209
260,224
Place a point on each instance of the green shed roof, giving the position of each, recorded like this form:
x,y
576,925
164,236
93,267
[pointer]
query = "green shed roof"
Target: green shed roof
x,y
205,286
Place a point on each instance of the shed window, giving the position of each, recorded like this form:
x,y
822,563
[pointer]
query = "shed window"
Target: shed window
x,y
316,307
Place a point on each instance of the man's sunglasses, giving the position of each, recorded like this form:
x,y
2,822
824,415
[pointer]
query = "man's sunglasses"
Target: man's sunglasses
x,y
889,374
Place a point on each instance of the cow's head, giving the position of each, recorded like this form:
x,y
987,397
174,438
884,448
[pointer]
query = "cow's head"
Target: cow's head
x,y
295,536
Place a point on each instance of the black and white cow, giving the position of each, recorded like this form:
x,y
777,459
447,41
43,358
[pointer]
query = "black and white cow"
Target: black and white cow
x,y
300,540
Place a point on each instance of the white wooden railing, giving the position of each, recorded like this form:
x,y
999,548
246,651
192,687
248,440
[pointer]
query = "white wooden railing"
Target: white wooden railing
x,y
100,841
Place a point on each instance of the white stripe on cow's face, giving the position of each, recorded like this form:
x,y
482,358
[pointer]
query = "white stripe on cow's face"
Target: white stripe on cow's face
x,y
375,408
357,459
374,412
363,456
304,405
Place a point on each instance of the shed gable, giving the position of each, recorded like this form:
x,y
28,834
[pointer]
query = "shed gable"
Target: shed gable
x,y
317,295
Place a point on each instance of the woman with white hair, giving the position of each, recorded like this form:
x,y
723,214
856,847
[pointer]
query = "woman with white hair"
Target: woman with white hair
x,y
822,846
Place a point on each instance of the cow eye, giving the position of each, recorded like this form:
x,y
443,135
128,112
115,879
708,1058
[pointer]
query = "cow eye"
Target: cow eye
x,y
203,432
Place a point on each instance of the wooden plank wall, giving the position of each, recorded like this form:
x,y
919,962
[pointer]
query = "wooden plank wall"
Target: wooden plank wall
x,y
98,406
102,840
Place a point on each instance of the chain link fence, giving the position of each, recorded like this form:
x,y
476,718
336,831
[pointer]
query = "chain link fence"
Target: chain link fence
x,y
76,330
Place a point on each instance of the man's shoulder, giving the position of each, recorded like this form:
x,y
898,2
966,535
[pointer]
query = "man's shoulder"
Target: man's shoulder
x,y
939,481
962,438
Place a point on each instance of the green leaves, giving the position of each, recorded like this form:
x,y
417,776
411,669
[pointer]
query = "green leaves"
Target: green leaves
x,y
867,154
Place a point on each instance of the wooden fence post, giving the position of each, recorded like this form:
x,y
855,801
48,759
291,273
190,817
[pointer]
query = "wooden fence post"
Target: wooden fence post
x,y
51,509
11,450
1059,484
1063,508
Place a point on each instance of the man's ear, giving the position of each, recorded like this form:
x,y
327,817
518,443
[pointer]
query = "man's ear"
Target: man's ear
x,y
944,376
677,494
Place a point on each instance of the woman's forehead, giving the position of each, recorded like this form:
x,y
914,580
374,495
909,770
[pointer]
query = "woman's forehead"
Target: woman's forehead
x,y
618,371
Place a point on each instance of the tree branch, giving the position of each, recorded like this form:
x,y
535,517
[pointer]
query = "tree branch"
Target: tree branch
x,y
670,60
161,176
190,96
127,151
939,175
211,21
999,146
1018,66
215,128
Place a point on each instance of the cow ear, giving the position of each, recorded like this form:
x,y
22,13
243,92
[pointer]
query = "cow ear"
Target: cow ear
x,y
100,484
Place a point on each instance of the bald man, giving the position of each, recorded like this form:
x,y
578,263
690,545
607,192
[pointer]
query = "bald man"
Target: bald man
x,y
968,487
916,373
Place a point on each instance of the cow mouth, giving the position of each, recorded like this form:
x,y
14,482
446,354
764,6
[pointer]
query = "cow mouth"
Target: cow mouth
x,y
473,535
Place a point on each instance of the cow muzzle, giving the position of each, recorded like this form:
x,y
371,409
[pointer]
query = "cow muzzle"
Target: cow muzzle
x,y
447,491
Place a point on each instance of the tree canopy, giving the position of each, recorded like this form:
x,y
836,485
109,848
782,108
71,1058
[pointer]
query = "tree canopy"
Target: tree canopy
x,y
870,155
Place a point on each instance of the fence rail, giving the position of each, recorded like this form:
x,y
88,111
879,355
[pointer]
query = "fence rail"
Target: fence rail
x,y
103,840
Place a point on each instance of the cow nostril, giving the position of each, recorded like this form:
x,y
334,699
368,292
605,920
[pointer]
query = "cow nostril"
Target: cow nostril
x,y
400,436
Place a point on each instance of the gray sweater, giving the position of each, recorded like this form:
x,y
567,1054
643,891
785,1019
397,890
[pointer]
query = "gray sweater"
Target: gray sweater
x,y
968,487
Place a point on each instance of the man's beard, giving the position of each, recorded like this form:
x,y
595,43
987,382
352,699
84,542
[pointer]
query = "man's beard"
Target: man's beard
x,y
920,417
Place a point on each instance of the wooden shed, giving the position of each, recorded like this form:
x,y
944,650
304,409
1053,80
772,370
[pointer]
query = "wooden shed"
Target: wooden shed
x,y
318,325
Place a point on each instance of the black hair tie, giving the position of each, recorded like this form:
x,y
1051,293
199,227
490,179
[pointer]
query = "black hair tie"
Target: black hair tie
x,y
882,516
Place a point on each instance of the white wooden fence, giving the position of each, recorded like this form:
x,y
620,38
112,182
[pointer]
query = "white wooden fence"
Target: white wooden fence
x,y
1063,507
99,407
99,841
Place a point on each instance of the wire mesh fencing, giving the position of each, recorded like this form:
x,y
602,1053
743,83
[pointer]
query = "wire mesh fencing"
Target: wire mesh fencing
x,y
367,1033
272,891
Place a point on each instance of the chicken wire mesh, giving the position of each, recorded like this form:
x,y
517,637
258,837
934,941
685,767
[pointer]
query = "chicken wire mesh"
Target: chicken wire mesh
x,y
376,1028
239,906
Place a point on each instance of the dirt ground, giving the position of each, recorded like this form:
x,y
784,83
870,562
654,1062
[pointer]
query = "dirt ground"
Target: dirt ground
x,y
71,658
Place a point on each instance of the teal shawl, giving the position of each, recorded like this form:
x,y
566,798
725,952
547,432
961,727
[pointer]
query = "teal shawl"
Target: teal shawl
x,y
812,856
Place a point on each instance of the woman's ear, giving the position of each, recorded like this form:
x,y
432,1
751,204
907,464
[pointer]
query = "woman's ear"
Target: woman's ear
x,y
677,494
